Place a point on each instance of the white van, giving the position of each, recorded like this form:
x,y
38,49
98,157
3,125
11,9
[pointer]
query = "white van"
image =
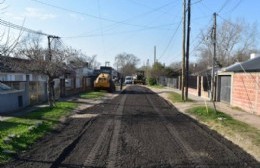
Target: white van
x,y
128,80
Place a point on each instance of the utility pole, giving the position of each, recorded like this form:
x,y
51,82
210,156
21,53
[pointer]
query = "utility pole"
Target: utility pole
x,y
107,64
49,45
50,80
187,52
214,39
183,50
154,54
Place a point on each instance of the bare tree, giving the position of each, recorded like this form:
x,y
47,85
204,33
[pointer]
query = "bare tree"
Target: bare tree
x,y
93,63
249,38
233,39
8,41
126,63
79,59
30,49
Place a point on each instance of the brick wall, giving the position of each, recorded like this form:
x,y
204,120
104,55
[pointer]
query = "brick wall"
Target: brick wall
x,y
204,87
246,92
193,91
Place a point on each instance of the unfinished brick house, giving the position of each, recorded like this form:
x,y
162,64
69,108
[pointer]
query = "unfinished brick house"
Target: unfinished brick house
x,y
239,85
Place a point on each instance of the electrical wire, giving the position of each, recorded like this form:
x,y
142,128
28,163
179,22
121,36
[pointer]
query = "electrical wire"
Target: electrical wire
x,y
21,28
110,27
124,22
170,41
115,33
235,7
196,47
101,27
196,2
223,6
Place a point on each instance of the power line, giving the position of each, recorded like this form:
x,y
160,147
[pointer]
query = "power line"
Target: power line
x,y
73,11
223,6
235,7
195,48
196,2
102,18
22,28
170,41
101,27
138,16
114,33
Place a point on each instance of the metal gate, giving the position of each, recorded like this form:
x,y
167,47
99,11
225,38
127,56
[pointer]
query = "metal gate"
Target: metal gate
x,y
224,88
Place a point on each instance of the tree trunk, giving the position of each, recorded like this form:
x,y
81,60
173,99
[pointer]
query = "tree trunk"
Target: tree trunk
x,y
51,91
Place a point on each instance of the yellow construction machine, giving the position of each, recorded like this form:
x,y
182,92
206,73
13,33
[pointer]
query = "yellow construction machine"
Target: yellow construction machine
x,y
104,82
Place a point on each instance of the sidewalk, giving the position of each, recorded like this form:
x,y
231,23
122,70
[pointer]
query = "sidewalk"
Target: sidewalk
x,y
26,110
251,119
82,105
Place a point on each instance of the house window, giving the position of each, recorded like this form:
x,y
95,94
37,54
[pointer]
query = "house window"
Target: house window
x,y
18,77
3,77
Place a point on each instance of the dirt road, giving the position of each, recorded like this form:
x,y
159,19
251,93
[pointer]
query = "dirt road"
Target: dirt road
x,y
135,129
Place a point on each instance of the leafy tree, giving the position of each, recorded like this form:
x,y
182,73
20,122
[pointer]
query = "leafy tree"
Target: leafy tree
x,y
156,71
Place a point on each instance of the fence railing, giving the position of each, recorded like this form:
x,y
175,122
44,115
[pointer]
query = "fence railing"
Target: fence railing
x,y
198,85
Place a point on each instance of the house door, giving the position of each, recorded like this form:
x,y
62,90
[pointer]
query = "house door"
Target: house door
x,y
20,101
224,88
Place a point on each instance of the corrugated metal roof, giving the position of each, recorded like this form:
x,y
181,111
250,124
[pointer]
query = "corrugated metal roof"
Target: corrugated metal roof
x,y
252,65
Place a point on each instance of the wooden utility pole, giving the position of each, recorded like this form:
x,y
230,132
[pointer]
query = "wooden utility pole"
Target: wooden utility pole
x,y
50,80
49,45
214,39
183,50
187,53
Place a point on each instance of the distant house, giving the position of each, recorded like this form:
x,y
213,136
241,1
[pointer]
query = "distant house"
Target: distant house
x,y
25,88
76,77
239,85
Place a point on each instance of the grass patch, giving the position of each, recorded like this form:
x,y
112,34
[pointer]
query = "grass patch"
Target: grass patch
x,y
223,120
92,95
243,134
176,97
18,133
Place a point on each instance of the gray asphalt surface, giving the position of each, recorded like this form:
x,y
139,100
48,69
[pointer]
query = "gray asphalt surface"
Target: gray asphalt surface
x,y
135,129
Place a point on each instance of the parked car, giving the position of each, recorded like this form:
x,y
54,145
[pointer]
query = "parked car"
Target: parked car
x,y
128,80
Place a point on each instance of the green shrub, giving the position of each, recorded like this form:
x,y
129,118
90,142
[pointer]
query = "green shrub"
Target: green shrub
x,y
152,81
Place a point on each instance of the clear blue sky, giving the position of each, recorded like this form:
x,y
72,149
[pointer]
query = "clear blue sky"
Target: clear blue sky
x,y
108,27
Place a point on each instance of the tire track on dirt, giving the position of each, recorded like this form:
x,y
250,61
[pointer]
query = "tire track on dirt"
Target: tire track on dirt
x,y
188,151
113,150
109,133
66,151
90,161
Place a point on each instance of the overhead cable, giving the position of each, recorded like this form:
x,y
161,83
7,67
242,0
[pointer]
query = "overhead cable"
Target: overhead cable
x,y
124,22
170,41
21,28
